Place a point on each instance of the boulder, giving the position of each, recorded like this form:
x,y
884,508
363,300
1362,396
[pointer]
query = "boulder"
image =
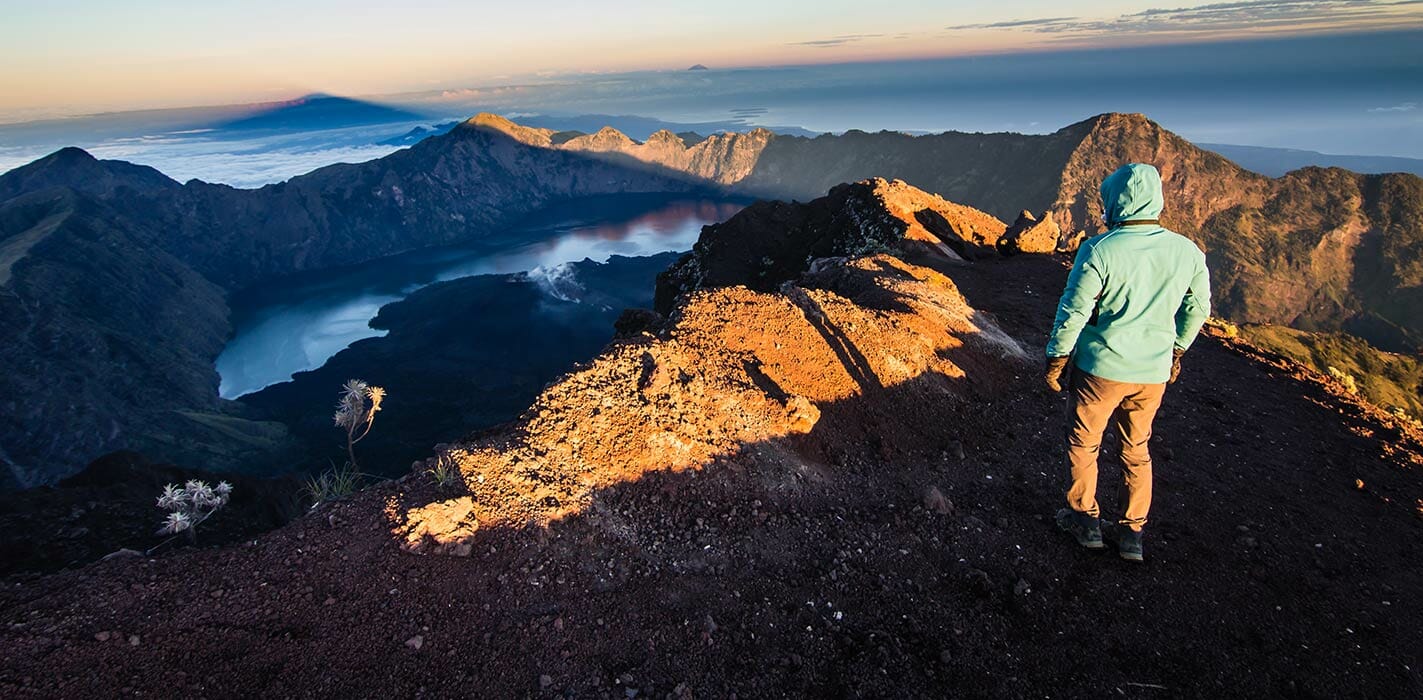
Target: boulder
x,y
1030,235
443,527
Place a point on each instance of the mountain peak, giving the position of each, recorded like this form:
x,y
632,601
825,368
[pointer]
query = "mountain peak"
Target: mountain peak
x,y
605,139
490,122
78,169
1111,120
663,136
70,154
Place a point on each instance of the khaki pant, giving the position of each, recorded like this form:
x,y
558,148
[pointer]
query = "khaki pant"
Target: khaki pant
x,y
1092,402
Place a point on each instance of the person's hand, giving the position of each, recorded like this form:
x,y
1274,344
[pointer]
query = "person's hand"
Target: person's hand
x,y
1176,354
1055,368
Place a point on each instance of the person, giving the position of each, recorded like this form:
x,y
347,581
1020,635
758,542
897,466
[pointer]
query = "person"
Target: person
x,y
1134,301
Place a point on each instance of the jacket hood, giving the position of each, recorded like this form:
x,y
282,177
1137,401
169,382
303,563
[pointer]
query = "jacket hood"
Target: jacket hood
x,y
1132,192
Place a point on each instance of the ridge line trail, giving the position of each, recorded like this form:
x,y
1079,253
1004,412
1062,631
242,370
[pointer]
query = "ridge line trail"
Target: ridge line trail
x,y
810,564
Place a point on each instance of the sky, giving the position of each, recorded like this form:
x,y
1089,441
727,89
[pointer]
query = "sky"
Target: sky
x,y
65,57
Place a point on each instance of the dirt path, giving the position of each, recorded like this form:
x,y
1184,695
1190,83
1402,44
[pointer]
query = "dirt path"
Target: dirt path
x,y
790,569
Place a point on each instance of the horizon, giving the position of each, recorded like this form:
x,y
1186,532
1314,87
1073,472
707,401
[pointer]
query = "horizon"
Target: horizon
x,y
180,59
1317,76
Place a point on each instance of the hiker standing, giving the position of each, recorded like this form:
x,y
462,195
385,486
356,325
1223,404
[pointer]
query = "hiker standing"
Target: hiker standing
x,y
1135,299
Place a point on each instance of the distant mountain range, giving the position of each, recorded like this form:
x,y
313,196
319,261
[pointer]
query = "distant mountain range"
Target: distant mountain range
x,y
112,301
1275,162
568,127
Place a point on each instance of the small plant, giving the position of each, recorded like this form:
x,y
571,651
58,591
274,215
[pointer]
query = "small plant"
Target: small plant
x,y
333,484
356,413
446,472
1344,378
189,506
1226,328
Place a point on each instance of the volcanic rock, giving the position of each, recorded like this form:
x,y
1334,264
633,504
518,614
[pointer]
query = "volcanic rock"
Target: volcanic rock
x,y
1029,235
444,527
771,242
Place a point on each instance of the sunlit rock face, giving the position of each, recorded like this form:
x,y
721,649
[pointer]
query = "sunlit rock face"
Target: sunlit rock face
x,y
767,364
771,242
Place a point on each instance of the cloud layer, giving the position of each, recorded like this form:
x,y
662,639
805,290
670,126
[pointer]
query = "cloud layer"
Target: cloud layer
x,y
1227,17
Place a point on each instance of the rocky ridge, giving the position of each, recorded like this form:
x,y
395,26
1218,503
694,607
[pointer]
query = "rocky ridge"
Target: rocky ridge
x,y
1320,248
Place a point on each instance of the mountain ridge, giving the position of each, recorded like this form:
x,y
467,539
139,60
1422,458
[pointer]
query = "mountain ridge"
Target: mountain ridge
x,y
1318,249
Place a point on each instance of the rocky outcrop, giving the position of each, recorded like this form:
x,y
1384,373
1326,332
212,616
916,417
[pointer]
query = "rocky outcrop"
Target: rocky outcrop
x,y
441,528
736,367
1029,235
725,159
771,242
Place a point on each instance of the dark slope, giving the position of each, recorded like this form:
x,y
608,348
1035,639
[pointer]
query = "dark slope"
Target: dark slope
x,y
808,564
74,168
101,332
999,173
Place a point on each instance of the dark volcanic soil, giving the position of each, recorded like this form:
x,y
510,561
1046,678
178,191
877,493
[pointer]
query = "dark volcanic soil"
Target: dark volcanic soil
x,y
1283,560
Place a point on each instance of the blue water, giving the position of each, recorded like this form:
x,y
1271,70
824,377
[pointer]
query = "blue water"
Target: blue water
x,y
296,325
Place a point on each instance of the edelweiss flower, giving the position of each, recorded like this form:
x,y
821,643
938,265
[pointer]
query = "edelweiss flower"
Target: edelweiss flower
x,y
200,493
173,497
175,523
351,411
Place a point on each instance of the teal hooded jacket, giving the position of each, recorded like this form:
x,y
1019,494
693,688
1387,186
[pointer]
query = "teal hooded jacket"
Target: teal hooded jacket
x,y
1135,292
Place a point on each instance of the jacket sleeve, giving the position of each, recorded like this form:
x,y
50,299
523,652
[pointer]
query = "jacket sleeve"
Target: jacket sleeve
x,y
1195,307
1084,286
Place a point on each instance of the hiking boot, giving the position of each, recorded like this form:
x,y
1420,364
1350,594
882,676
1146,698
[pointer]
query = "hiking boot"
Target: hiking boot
x,y
1129,544
1085,529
